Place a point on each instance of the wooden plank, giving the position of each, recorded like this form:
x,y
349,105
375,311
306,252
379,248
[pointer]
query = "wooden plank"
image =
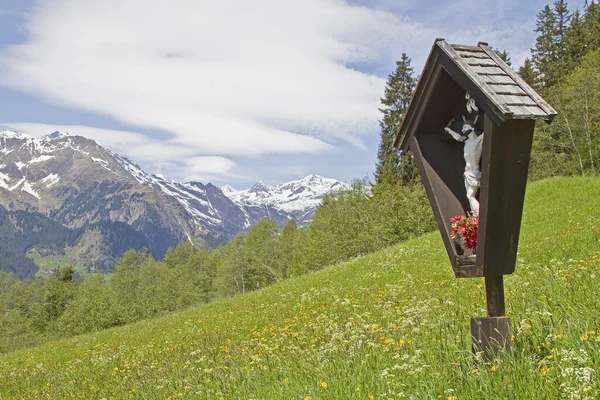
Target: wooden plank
x,y
471,83
494,296
506,89
482,62
550,112
521,111
492,336
500,79
504,167
464,47
535,110
531,112
468,271
473,54
488,70
516,100
443,202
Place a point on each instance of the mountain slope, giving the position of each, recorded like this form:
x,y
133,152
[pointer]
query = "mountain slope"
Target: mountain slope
x,y
392,324
296,199
78,183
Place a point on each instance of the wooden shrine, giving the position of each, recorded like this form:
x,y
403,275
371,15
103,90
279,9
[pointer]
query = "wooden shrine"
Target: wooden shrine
x,y
470,128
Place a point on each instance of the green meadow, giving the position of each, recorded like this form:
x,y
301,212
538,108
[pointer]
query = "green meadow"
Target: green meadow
x,y
388,325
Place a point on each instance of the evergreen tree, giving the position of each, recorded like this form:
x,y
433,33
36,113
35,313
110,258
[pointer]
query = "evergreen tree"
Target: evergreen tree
x,y
528,73
576,40
398,92
544,52
504,56
549,54
563,18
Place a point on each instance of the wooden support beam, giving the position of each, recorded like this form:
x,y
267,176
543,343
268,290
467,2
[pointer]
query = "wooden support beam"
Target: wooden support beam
x,y
494,294
491,335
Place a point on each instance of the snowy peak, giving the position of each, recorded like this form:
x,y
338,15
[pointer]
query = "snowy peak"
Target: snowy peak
x,y
56,135
78,181
226,188
298,199
7,134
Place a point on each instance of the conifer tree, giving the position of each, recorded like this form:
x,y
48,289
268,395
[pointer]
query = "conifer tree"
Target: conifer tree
x,y
392,166
549,54
504,56
544,52
528,73
575,40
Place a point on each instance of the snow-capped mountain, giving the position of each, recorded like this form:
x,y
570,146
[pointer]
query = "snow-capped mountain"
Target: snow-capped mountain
x,y
296,199
78,183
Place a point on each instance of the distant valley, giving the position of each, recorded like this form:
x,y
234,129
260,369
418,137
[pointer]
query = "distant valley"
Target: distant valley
x,y
77,194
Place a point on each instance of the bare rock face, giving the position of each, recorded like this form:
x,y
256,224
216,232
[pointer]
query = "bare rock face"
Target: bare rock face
x,y
81,185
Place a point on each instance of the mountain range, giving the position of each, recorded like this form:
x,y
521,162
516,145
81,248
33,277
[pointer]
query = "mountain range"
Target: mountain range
x,y
113,204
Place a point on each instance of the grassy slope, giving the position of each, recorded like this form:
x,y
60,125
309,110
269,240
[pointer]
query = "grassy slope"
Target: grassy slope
x,y
391,324
52,262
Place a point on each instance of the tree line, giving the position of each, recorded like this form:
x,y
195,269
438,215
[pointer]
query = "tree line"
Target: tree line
x,y
348,224
563,68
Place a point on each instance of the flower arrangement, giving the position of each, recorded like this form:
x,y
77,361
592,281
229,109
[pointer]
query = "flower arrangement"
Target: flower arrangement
x,y
464,230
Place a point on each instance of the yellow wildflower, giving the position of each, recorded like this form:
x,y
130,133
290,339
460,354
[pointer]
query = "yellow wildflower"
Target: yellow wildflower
x,y
324,385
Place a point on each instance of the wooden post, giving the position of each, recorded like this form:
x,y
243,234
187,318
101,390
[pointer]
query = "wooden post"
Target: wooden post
x,y
492,335
494,295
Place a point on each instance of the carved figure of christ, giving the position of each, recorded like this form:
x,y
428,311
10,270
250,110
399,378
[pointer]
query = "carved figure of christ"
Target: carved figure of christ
x,y
472,153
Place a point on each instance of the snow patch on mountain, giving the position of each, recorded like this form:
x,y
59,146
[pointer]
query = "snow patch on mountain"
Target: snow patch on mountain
x,y
50,180
16,185
294,196
28,189
44,157
7,134
47,166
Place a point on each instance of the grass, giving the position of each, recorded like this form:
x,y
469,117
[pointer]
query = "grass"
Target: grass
x,y
47,263
52,262
393,324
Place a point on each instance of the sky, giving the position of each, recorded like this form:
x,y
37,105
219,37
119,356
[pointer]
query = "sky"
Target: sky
x,y
231,91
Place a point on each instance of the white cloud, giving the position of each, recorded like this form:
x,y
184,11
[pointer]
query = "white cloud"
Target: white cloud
x,y
175,160
227,77
211,168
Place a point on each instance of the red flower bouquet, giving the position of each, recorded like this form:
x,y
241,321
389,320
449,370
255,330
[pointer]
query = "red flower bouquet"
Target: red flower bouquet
x,y
464,230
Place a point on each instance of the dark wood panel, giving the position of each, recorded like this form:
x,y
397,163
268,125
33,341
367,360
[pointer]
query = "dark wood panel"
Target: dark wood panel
x,y
505,163
491,335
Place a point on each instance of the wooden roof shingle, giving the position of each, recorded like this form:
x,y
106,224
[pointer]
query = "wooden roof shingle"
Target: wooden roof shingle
x,y
494,85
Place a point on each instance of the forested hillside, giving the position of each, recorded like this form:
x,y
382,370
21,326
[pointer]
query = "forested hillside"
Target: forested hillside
x,y
564,68
388,325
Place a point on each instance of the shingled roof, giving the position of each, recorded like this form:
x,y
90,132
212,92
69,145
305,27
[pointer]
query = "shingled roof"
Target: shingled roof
x,y
494,85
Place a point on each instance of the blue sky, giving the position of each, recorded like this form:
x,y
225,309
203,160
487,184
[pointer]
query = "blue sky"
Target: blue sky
x,y
230,91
